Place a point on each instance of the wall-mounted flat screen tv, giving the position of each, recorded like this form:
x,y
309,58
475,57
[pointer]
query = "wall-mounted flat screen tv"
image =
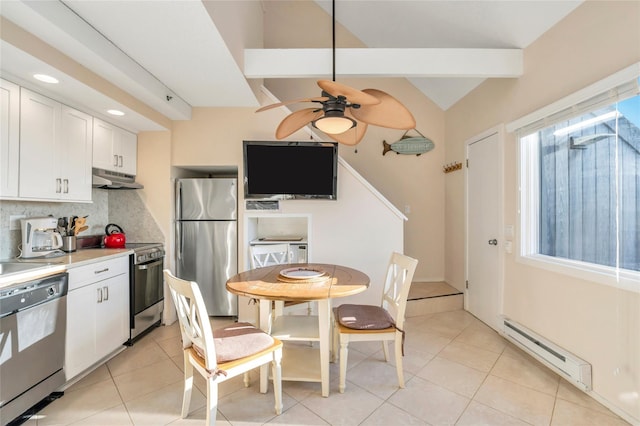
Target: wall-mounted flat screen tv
x,y
290,170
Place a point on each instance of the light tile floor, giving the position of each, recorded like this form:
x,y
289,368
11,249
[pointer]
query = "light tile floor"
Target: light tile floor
x,y
457,371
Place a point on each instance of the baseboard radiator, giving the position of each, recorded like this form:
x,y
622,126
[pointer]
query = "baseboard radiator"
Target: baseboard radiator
x,y
569,366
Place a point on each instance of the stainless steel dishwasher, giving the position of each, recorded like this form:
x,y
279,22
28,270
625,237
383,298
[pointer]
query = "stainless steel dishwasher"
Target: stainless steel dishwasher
x,y
33,322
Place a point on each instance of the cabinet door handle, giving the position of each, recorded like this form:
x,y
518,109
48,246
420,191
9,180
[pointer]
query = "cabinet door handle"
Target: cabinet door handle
x,y
120,157
99,295
58,185
105,293
66,186
101,271
115,160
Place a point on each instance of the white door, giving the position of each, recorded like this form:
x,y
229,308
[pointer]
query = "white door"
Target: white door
x,y
484,218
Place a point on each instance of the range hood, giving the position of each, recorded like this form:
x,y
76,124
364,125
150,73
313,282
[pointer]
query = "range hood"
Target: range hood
x,y
107,179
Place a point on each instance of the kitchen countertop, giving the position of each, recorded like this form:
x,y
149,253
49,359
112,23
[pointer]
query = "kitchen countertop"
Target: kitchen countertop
x,y
59,264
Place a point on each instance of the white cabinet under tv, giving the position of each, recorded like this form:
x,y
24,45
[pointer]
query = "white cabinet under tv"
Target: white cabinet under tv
x,y
271,228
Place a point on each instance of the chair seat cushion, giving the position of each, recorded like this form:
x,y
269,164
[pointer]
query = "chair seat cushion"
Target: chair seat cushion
x,y
364,317
239,340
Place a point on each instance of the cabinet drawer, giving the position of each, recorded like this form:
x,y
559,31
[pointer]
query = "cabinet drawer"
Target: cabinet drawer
x,y
99,271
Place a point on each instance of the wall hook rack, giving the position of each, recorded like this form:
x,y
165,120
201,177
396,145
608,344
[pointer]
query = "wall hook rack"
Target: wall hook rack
x,y
452,167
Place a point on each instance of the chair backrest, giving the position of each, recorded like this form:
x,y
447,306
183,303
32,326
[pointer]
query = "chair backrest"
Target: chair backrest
x,y
397,284
194,320
268,254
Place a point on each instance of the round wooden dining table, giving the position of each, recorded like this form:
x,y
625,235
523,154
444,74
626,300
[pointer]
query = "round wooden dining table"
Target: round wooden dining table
x,y
299,282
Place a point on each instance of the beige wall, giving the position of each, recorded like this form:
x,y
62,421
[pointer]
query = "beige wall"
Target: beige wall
x,y
154,172
409,181
596,322
213,136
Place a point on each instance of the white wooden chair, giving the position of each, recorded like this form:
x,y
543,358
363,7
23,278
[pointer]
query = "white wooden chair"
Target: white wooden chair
x,y
221,354
268,254
272,254
360,323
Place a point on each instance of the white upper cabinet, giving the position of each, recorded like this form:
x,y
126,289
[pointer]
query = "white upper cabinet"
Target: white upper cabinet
x,y
77,132
114,149
9,138
103,137
55,150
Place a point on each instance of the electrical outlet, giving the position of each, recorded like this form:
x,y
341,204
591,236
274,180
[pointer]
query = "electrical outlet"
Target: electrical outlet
x,y
14,222
407,209
508,246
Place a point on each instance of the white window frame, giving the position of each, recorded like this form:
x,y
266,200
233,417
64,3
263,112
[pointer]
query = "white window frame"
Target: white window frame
x,y
529,187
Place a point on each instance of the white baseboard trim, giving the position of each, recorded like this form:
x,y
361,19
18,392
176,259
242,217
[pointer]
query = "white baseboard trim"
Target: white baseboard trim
x,y
616,410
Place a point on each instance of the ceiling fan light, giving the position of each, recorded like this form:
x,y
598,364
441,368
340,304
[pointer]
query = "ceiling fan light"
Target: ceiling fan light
x,y
334,125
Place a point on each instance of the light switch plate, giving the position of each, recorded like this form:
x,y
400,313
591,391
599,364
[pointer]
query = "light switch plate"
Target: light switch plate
x,y
509,231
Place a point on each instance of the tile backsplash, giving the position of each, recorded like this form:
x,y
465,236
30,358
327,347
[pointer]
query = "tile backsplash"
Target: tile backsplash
x,y
123,207
128,211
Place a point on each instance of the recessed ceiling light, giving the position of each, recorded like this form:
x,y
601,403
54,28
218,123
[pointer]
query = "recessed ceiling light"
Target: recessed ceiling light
x,y
115,112
45,78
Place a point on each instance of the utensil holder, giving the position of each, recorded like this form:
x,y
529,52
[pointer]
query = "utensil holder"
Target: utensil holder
x,y
69,243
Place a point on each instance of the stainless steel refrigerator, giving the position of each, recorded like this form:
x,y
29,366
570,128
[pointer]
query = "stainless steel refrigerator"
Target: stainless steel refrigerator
x,y
206,239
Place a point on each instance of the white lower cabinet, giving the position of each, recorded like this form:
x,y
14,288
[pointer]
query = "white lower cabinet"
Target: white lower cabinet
x,y
97,313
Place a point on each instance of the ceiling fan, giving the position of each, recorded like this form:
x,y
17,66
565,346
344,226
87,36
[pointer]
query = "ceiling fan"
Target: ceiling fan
x,y
344,112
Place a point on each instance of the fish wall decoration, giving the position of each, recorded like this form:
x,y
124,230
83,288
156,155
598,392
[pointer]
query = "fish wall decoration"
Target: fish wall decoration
x,y
409,145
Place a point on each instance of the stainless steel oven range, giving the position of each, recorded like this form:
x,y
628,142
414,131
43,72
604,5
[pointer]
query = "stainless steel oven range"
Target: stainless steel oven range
x,y
146,291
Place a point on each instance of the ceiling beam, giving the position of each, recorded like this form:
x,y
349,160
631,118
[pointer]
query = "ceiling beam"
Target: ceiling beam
x,y
410,63
84,41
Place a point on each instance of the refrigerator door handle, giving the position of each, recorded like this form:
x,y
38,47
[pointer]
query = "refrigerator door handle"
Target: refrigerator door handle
x,y
179,237
179,200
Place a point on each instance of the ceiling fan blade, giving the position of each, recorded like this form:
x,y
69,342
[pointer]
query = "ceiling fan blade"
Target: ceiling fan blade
x,y
354,96
317,99
296,121
352,136
390,112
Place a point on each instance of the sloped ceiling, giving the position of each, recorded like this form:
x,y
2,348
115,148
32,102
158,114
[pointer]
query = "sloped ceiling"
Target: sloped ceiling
x,y
175,55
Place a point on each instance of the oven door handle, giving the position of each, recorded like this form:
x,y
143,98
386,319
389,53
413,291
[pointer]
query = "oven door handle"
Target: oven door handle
x,y
149,265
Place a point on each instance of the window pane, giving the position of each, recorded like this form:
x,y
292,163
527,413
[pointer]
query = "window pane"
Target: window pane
x,y
590,187
629,143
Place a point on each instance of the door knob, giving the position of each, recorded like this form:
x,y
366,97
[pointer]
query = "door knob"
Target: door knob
x,y
493,242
